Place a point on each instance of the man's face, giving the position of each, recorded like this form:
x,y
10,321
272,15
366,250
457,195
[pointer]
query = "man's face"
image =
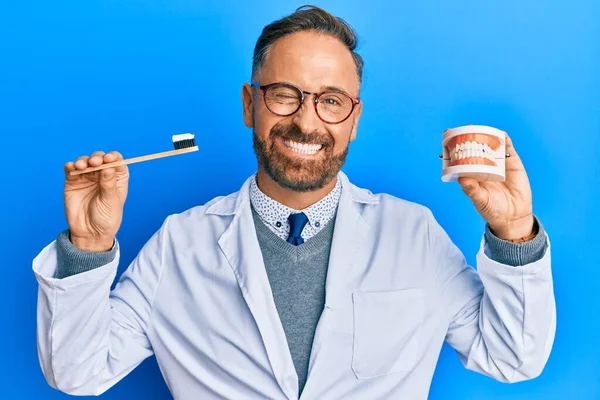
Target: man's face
x,y
285,146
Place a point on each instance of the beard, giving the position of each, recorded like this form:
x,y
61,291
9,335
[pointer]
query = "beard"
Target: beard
x,y
296,173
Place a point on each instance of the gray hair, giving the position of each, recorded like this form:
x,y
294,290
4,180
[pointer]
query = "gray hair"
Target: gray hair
x,y
307,18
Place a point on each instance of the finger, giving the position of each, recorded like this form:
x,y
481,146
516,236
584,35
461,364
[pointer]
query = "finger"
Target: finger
x,y
112,156
468,185
107,180
82,162
473,190
96,158
509,147
115,156
513,161
68,167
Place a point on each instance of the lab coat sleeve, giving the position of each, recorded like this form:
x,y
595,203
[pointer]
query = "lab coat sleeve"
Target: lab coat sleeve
x,y
88,336
501,318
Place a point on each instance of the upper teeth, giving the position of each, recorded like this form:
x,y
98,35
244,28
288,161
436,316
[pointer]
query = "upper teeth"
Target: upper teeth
x,y
303,147
471,149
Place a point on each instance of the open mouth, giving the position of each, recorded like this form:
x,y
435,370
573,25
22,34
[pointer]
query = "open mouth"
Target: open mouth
x,y
302,148
473,148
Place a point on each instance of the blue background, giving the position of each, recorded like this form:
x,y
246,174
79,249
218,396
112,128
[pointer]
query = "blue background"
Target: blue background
x,y
80,76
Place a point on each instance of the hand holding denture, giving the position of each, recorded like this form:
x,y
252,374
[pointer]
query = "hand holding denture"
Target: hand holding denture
x,y
502,196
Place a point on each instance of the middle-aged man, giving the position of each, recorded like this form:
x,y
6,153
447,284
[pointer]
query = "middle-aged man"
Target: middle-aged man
x,y
300,283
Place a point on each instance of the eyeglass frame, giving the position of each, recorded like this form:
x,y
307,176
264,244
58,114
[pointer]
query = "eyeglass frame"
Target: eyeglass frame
x,y
355,100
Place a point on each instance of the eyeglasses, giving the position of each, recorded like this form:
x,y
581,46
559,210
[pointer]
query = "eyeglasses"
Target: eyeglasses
x,y
284,99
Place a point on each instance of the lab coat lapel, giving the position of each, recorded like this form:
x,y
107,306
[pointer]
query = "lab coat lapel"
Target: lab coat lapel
x,y
240,245
349,251
348,248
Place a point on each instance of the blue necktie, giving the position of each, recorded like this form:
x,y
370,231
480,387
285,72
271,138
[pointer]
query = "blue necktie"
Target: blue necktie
x,y
297,223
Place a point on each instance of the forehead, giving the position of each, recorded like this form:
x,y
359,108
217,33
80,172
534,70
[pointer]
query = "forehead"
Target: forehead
x,y
311,61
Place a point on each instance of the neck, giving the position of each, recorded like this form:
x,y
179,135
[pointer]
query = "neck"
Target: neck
x,y
290,198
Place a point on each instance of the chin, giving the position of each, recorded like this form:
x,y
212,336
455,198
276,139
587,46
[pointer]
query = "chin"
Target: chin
x,y
300,180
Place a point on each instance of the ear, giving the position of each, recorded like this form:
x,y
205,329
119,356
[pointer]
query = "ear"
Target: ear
x,y
355,118
247,105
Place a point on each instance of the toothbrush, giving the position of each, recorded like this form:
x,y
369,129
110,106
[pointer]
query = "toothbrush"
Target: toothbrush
x,y
183,143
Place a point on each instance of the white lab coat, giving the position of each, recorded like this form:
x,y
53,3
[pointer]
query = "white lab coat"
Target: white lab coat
x,y
198,297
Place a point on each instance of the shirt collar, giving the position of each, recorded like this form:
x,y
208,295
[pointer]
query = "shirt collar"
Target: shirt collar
x,y
276,214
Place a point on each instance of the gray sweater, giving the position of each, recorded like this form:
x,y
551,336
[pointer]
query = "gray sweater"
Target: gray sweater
x,y
297,275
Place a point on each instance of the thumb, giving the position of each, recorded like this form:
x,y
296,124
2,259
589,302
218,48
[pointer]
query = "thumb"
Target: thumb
x,y
108,182
472,189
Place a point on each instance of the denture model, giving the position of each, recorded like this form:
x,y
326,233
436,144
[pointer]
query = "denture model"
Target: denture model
x,y
474,151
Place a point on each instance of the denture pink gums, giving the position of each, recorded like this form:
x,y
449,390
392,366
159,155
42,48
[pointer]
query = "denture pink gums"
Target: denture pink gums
x,y
475,151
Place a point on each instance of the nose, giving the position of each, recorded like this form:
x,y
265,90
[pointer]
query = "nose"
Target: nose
x,y
306,117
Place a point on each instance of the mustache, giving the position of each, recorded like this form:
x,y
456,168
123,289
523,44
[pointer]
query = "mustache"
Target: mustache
x,y
293,132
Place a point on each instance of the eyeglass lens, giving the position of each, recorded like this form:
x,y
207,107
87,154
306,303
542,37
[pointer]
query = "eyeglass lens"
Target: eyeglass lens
x,y
285,100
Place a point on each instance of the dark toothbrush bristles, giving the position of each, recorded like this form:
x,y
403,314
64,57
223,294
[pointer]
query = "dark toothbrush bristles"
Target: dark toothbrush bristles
x,y
183,141
182,144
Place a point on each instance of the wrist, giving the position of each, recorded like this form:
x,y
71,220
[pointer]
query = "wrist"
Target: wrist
x,y
517,231
99,245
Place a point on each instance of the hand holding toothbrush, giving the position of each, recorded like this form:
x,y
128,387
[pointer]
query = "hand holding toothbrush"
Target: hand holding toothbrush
x,y
95,191
94,201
